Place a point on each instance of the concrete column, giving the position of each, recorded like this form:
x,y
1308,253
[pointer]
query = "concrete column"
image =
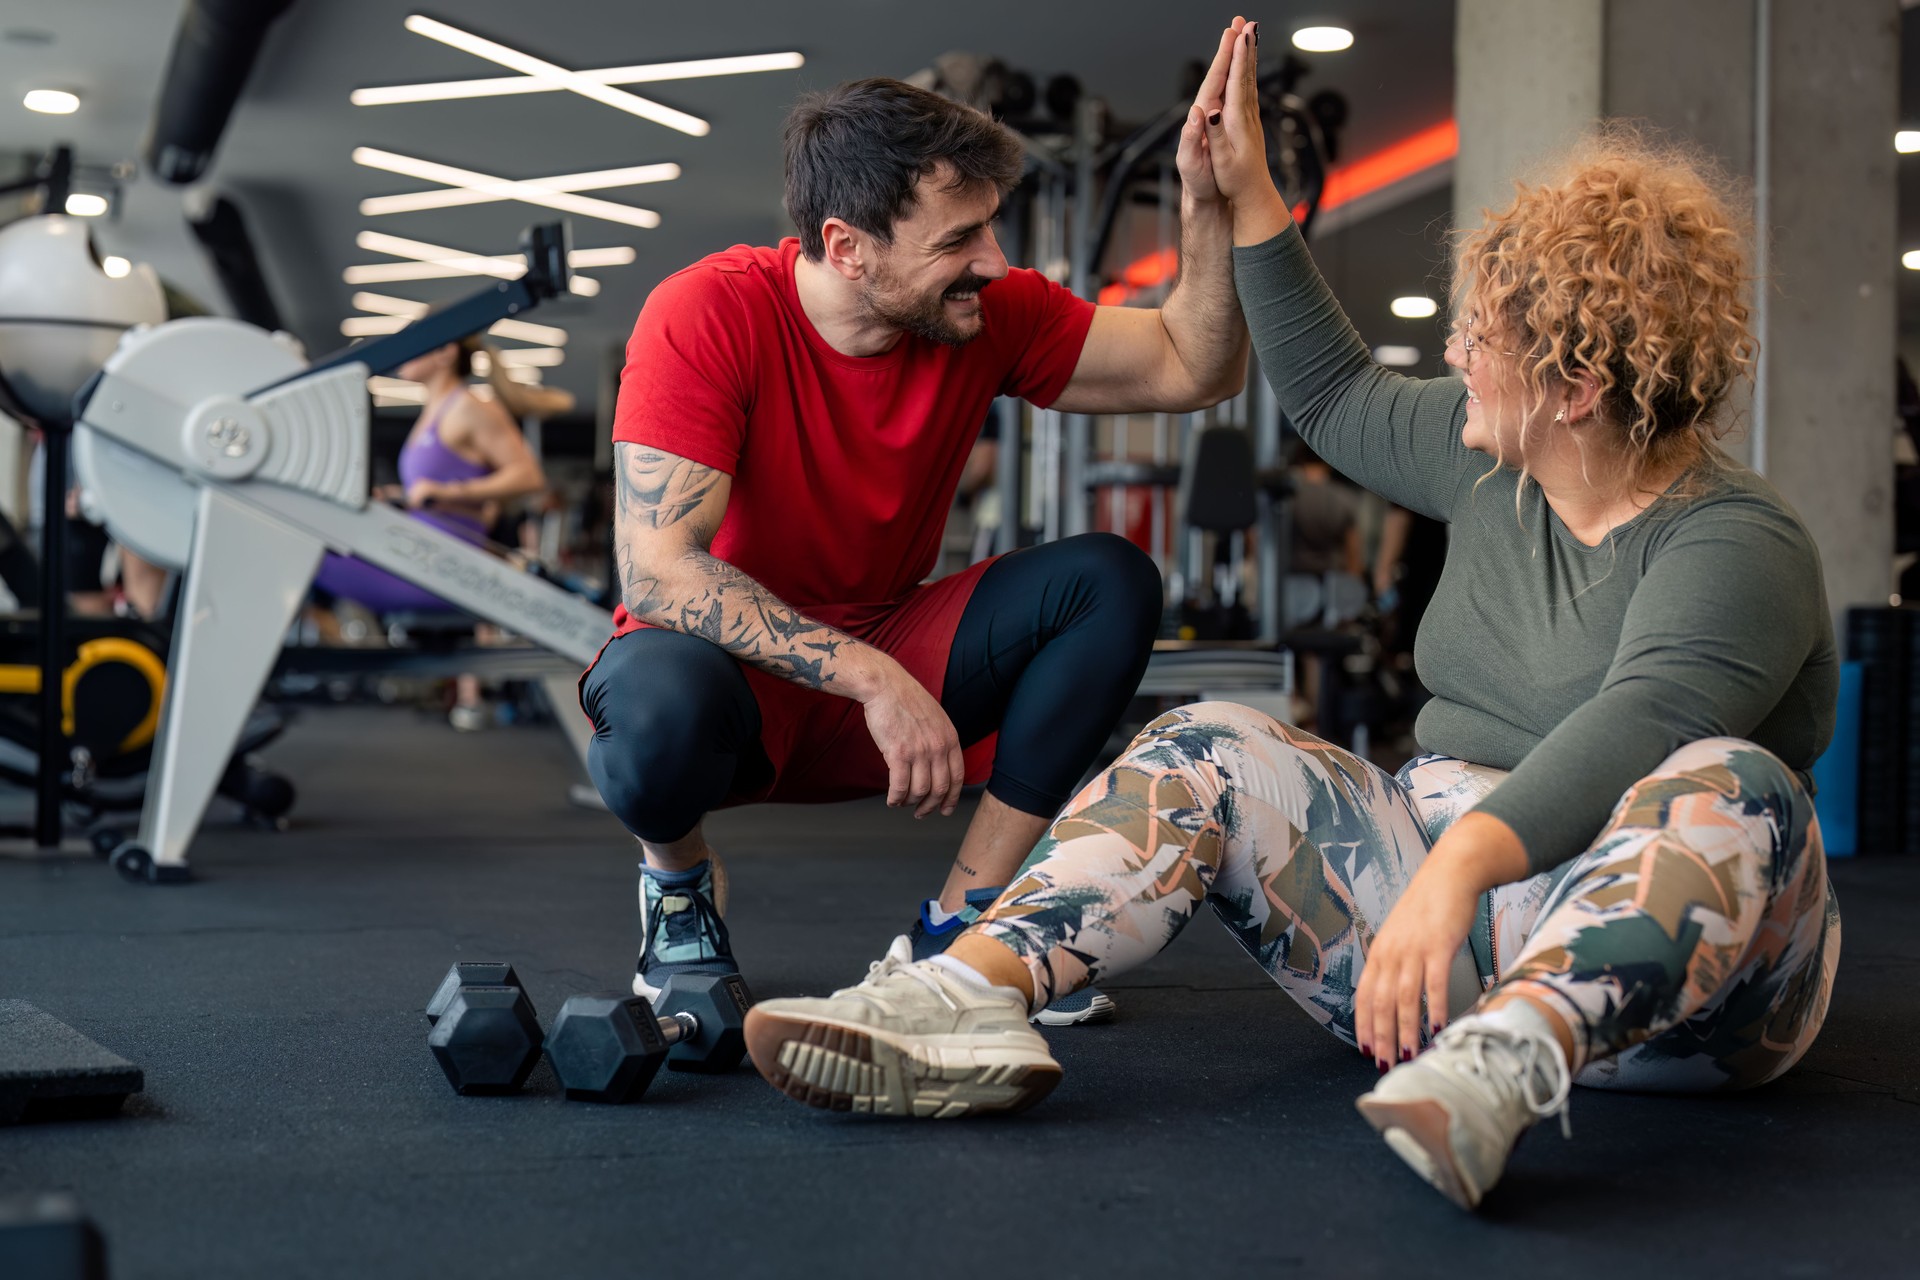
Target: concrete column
x,y
1826,435
1527,79
1798,97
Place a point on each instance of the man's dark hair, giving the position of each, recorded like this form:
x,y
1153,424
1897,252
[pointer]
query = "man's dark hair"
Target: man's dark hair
x,y
855,153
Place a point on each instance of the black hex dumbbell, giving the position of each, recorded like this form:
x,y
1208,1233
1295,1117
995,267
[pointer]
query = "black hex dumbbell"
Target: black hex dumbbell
x,y
609,1048
485,1034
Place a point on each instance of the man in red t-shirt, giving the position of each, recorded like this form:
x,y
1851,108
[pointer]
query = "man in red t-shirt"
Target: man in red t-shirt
x,y
791,426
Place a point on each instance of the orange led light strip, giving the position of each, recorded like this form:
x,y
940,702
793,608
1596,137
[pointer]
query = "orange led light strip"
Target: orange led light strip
x,y
1413,154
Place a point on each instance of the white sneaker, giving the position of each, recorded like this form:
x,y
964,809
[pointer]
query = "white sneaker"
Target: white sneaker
x,y
913,1039
1455,1112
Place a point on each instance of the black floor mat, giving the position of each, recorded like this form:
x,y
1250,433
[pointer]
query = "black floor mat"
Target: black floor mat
x,y
294,1123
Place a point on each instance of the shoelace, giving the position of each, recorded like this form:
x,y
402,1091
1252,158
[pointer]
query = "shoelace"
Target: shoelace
x,y
891,966
705,925
1535,1056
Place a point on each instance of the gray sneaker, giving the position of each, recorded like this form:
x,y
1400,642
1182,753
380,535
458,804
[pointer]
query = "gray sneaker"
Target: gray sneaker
x,y
680,926
913,1039
1455,1112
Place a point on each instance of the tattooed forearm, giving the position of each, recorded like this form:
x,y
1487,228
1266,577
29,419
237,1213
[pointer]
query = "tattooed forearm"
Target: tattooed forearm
x,y
668,513
713,600
730,609
658,489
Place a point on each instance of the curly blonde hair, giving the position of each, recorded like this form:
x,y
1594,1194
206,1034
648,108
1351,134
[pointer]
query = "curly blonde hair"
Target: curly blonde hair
x,y
1628,264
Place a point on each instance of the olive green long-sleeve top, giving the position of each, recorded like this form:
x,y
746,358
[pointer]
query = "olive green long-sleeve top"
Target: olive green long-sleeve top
x,y
1578,668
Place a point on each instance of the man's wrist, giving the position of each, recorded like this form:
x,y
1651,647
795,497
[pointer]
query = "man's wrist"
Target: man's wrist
x,y
1205,213
862,672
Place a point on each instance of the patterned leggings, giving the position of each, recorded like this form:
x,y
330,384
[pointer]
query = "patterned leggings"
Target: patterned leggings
x,y
1692,947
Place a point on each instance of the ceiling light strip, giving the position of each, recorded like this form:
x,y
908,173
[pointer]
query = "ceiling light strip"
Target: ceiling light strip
x,y
398,272
464,264
531,357
646,73
414,201
401,272
519,330
504,189
613,256
397,390
558,76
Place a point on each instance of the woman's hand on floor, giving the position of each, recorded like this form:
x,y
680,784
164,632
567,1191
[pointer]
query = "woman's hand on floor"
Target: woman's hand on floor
x,y
1413,952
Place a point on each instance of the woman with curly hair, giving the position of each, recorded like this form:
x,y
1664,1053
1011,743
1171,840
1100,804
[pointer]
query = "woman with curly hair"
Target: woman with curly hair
x,y
1607,866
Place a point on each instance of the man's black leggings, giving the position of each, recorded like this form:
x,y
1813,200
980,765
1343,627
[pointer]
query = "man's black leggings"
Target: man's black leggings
x,y
1049,650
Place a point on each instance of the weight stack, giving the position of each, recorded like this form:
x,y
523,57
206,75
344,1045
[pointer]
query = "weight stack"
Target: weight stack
x,y
1887,647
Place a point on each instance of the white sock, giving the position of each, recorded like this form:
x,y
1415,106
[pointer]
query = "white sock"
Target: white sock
x,y
938,915
962,970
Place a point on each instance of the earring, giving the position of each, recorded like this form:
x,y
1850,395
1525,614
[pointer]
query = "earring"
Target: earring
x,y
1560,415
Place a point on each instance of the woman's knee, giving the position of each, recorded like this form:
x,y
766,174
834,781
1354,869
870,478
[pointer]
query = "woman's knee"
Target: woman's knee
x,y
1233,717
1733,767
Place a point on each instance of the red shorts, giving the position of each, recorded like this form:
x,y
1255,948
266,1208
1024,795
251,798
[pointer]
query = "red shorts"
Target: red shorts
x,y
817,743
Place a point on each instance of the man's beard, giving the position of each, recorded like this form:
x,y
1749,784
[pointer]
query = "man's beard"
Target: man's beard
x,y
925,316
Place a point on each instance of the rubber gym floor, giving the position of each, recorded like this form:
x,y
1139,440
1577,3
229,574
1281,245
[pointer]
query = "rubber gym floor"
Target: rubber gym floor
x,y
294,1124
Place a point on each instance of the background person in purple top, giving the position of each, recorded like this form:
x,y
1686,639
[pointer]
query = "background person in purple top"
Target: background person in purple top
x,y
463,456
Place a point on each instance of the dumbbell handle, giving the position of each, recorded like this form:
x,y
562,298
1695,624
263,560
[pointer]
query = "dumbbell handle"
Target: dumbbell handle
x,y
681,1026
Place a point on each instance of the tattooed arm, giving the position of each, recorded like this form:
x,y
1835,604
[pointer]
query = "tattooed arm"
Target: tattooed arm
x,y
667,513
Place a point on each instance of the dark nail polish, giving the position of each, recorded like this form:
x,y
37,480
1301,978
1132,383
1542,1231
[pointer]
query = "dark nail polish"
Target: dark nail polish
x,y
1406,1055
1255,28
1214,119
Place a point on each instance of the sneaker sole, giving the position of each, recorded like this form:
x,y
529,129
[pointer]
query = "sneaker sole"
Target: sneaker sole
x,y
1099,1009
1417,1132
837,1067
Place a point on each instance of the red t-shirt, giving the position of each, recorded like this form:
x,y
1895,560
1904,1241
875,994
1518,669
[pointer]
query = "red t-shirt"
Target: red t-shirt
x,y
843,467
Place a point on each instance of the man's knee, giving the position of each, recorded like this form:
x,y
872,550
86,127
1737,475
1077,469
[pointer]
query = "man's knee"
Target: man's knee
x,y
1125,575
671,716
652,776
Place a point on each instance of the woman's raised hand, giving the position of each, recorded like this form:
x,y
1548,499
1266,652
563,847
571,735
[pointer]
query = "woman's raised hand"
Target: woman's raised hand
x,y
1203,119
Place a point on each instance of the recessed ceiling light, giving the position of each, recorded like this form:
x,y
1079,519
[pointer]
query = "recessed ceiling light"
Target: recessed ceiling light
x,y
1397,357
53,102
83,204
1907,141
115,266
534,192
528,65
1414,307
645,73
1911,259
1322,39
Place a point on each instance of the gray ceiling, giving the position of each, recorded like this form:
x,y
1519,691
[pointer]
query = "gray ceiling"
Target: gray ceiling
x,y
286,154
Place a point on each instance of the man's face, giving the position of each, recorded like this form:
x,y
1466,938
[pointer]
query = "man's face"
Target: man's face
x,y
928,281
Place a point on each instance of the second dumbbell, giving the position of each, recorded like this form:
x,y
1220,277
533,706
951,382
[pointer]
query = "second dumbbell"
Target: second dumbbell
x,y
609,1048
